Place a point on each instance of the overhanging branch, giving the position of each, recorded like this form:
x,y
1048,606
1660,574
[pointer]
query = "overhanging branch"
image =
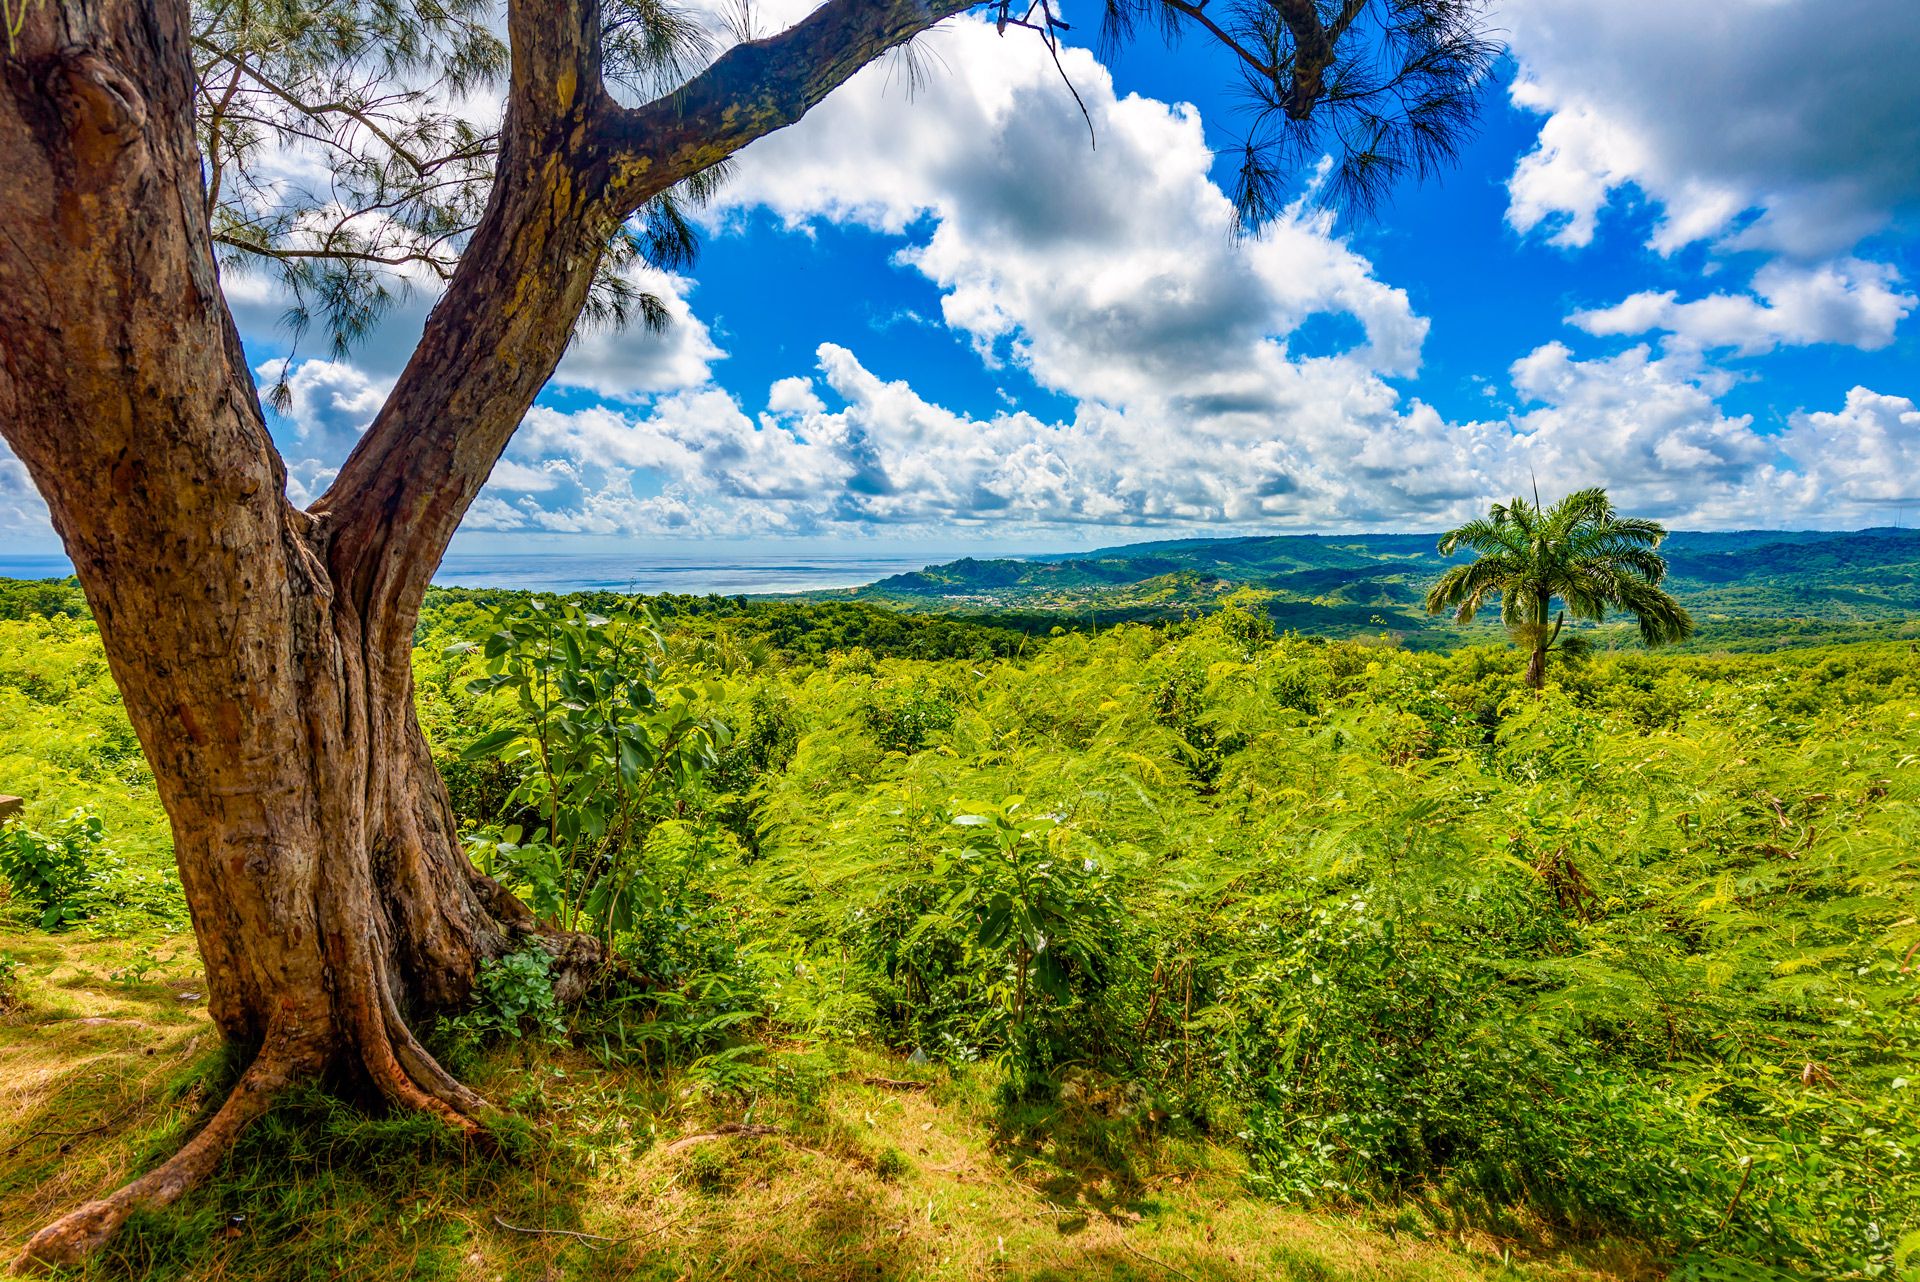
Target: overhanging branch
x,y
753,89
398,257
572,165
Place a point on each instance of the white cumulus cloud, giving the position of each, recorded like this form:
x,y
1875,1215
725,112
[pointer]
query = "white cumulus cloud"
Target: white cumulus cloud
x,y
23,513
1785,125
1850,302
1109,273
630,363
1864,458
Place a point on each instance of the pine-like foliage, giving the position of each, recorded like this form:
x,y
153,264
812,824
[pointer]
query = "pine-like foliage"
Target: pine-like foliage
x,y
350,147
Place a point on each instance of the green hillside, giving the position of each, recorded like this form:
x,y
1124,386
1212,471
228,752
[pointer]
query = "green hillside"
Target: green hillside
x,y
1831,584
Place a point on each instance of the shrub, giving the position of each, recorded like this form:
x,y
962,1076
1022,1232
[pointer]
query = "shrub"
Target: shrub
x,y
512,998
906,720
48,872
602,752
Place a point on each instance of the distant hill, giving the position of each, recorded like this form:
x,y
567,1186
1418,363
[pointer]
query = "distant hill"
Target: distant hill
x,y
1370,583
1885,555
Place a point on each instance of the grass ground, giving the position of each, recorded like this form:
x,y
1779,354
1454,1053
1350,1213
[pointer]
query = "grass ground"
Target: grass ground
x,y
851,1166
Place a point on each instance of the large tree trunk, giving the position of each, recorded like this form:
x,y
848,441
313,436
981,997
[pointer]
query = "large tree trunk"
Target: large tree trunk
x,y
330,897
265,652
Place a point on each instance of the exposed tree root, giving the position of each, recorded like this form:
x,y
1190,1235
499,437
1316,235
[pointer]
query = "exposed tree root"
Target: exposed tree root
x,y
411,1077
71,1238
392,1059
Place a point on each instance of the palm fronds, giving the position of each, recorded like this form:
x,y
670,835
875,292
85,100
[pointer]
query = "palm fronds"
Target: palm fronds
x,y
1580,552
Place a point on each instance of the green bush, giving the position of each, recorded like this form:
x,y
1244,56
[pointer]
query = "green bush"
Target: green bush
x,y
906,720
48,871
602,749
68,873
512,999
689,982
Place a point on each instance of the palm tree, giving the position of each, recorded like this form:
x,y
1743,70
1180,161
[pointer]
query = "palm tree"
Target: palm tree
x,y
1580,551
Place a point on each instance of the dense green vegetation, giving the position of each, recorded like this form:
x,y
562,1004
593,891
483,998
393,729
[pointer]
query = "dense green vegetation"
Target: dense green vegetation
x,y
1630,959
93,844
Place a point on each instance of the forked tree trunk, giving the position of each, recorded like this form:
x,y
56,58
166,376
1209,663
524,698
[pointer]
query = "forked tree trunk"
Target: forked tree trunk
x,y
264,661
265,652
331,900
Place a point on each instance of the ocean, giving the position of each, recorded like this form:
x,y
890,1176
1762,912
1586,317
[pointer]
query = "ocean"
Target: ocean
x,y
52,566
750,575
729,576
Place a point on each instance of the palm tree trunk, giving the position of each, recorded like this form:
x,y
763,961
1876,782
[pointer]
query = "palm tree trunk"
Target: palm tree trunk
x,y
1537,661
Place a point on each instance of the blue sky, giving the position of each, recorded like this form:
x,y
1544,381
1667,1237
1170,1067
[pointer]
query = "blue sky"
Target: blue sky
x,y
1491,292
1679,260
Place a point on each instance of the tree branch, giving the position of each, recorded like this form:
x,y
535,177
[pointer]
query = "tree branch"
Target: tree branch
x,y
214,159
494,338
573,164
318,110
1312,54
398,258
755,88
1351,10
1199,14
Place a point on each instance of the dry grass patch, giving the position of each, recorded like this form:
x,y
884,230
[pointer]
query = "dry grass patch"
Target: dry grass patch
x,y
852,1167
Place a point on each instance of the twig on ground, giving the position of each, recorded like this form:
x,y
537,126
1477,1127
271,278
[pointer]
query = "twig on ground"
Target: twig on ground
x,y
661,1227
70,1135
584,1237
730,1129
1151,1260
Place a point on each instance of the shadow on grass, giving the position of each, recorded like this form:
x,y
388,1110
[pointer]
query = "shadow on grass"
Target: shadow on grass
x,y
319,1188
1085,1146
90,1101
606,1175
1112,1264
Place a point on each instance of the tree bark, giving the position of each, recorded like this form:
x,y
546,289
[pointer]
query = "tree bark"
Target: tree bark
x,y
317,850
264,652
1537,659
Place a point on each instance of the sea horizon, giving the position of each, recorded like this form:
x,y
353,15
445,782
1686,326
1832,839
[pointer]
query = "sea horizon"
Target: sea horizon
x,y
772,572
761,574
